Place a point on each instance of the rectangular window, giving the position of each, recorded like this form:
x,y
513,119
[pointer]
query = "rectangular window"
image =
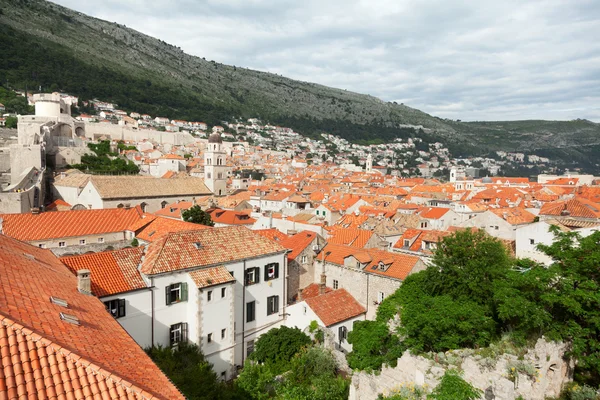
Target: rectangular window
x,y
271,271
335,284
272,305
531,241
178,333
209,295
100,240
249,347
116,307
250,308
62,244
209,338
317,212
406,243
175,293
82,241
323,213
342,333
380,297
304,259
223,333
223,292
252,276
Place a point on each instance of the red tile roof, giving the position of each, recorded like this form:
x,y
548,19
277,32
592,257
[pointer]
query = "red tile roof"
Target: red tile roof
x,y
112,272
298,242
205,247
50,357
158,226
211,276
229,217
51,225
312,290
272,233
578,207
352,237
335,307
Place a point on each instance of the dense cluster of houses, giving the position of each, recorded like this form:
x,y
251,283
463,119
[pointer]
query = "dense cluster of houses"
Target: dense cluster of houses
x,y
294,242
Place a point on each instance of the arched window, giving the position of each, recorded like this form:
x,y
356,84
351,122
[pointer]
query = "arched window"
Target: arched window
x,y
120,205
144,206
163,204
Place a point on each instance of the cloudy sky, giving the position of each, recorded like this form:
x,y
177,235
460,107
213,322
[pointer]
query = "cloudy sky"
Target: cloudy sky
x,y
469,60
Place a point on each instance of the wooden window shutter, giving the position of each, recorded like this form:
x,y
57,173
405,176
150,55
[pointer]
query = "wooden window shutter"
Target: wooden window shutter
x,y
256,274
121,311
168,295
184,292
276,265
184,331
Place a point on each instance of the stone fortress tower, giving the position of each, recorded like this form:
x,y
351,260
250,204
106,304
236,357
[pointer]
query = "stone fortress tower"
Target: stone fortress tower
x,y
50,136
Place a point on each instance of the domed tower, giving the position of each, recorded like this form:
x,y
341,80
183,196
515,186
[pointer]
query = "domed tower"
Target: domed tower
x,y
215,169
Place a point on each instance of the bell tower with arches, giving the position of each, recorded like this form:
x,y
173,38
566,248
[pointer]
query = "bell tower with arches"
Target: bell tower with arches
x,y
215,168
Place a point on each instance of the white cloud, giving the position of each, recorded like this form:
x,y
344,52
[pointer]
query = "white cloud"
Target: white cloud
x,y
469,60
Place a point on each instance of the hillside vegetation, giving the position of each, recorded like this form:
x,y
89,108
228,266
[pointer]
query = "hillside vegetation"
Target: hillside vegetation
x,y
60,49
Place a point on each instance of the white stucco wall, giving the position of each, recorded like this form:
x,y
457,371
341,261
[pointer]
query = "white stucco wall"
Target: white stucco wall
x,y
138,315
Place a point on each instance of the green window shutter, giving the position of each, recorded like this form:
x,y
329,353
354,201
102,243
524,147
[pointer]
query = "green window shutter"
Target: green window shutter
x,y
276,270
184,292
266,272
167,295
257,274
317,212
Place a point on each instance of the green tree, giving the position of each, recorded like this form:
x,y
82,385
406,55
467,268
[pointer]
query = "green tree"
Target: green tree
x,y
187,368
196,215
453,387
372,346
573,299
11,122
277,347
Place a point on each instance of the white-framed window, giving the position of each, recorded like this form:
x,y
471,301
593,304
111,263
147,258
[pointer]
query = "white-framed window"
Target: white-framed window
x,y
176,292
271,271
304,259
62,244
252,276
272,305
336,284
116,307
81,242
178,333
380,297
424,224
101,240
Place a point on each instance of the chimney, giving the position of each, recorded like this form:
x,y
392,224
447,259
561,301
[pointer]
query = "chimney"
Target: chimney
x,y
322,284
84,281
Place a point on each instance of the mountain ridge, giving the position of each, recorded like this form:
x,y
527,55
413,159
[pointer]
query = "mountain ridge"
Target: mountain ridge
x,y
162,78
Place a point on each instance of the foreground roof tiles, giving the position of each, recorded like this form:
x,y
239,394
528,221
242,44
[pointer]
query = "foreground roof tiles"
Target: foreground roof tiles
x,y
44,356
112,272
206,247
335,307
52,225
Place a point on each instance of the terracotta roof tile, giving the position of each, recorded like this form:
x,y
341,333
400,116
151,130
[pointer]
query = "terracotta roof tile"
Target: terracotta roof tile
x,y
51,225
112,272
272,233
159,226
98,352
298,242
205,247
211,276
335,306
